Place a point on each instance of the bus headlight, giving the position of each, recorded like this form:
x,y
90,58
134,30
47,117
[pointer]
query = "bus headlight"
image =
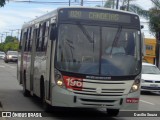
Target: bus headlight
x,y
135,86
59,79
59,82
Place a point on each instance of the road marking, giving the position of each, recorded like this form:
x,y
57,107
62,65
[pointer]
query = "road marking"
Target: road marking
x,y
12,67
5,65
147,102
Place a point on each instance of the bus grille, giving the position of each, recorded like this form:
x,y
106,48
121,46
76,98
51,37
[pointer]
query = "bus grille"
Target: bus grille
x,y
106,89
105,92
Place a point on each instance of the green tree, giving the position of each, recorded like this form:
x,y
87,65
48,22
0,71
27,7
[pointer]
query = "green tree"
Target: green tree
x,y
10,39
154,25
109,4
1,46
2,3
11,43
127,5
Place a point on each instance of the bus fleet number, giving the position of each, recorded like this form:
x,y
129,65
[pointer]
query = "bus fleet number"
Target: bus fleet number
x,y
74,82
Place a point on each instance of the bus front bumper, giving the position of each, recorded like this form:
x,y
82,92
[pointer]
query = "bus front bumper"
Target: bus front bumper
x,y
64,98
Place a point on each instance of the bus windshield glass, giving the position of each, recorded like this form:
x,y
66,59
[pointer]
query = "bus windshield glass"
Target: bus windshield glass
x,y
96,50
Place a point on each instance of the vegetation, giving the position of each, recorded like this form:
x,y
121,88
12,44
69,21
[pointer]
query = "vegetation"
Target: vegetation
x,y
2,3
154,25
11,43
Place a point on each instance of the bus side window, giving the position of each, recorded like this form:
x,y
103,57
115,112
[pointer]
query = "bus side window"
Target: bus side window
x,y
37,39
46,36
43,36
21,39
26,40
40,38
29,39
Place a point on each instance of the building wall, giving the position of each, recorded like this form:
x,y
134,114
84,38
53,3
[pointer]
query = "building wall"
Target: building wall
x,y
150,45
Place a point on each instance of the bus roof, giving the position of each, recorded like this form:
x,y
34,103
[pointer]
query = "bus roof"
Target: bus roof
x,y
54,12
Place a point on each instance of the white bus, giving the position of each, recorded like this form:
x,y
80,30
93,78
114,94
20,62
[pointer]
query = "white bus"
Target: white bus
x,y
82,57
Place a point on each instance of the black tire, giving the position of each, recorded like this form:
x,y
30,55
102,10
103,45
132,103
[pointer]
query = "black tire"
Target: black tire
x,y
112,112
46,106
6,61
26,93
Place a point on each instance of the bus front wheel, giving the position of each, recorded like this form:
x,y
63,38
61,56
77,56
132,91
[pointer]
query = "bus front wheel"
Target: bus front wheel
x,y
112,112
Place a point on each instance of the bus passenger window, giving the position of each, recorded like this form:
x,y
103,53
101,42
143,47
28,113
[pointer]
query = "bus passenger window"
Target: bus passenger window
x,y
46,38
21,39
25,38
29,39
37,39
43,36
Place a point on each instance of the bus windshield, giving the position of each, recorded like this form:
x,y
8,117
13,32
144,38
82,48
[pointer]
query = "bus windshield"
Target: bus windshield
x,y
97,50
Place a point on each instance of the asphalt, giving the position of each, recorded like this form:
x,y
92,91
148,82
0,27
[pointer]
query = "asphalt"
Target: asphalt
x,y
1,109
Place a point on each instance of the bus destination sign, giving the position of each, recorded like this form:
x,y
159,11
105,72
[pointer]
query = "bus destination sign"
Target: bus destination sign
x,y
99,16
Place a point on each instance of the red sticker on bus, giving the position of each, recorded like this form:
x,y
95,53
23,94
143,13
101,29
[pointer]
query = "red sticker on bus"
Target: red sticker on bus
x,y
73,82
132,100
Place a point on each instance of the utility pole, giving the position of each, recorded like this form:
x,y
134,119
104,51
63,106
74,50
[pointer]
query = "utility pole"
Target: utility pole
x,y
81,2
69,2
128,5
117,5
113,4
102,3
18,33
1,37
12,32
6,33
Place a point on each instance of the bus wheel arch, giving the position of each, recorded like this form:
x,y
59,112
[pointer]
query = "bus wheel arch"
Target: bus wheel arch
x,y
26,93
46,106
42,88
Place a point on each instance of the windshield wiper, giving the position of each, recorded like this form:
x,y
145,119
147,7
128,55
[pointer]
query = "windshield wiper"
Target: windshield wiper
x,y
116,38
85,32
70,44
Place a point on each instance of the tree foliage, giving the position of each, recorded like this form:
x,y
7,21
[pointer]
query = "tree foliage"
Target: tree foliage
x,y
154,15
109,4
11,43
2,3
140,11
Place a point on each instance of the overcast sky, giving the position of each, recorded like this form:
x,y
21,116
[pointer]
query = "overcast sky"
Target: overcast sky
x,y
14,14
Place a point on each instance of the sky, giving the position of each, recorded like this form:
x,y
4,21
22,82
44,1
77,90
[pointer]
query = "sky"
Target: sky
x,y
14,14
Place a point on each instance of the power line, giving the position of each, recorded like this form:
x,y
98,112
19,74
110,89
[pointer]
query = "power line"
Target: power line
x,y
57,2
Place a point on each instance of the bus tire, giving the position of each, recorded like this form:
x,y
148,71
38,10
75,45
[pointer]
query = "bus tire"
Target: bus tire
x,y
26,93
46,106
112,112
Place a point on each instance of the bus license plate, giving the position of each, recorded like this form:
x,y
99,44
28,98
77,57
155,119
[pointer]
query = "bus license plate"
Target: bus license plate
x,y
153,85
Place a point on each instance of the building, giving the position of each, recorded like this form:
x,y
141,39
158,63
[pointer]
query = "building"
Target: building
x,y
150,46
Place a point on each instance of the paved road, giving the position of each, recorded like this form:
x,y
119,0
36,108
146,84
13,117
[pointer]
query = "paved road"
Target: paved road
x,y
12,100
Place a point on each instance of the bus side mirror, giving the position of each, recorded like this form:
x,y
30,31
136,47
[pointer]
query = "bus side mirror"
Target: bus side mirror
x,y
53,32
142,26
